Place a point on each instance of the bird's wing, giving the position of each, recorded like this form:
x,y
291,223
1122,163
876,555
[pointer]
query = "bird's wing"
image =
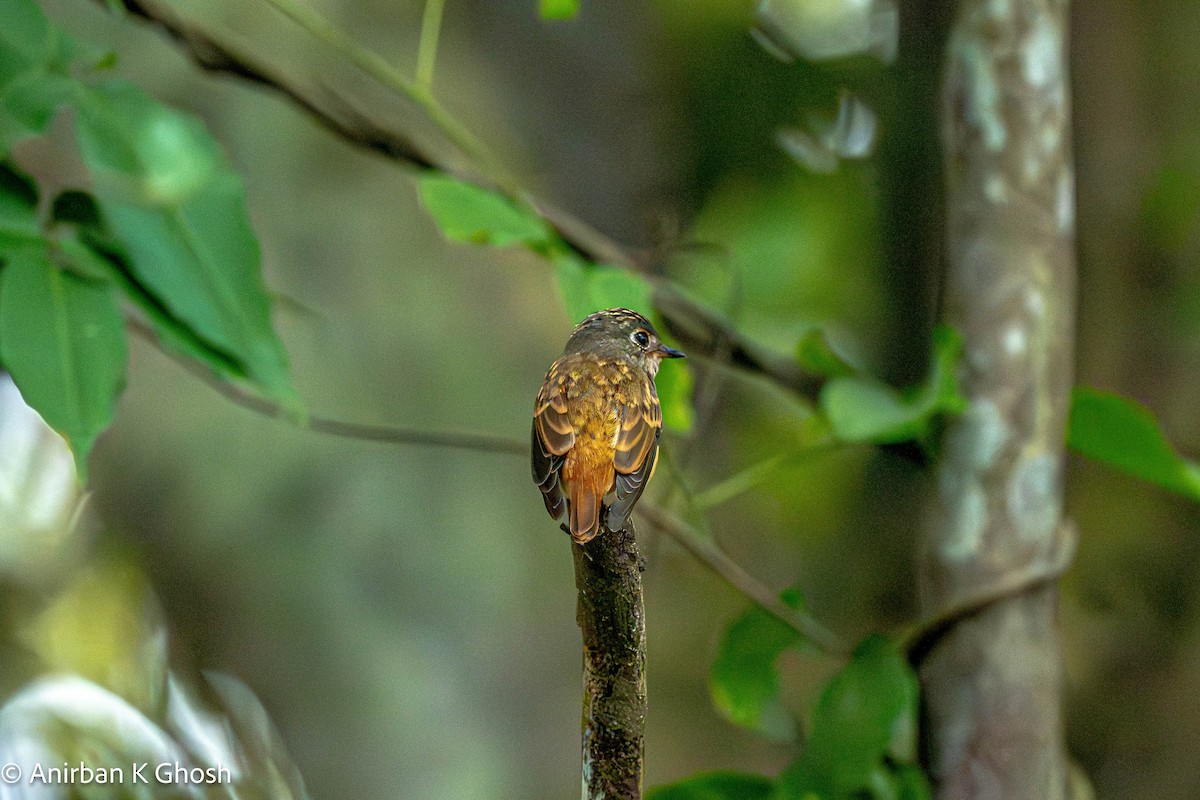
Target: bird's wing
x,y
551,438
640,420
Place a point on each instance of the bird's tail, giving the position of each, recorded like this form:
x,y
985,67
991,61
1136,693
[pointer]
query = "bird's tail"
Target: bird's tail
x,y
586,499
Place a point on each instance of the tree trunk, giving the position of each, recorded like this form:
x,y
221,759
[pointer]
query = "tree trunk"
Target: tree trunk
x,y
996,537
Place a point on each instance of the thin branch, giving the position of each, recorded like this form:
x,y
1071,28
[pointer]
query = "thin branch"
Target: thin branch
x,y
431,28
919,639
383,72
709,554
331,110
700,331
479,442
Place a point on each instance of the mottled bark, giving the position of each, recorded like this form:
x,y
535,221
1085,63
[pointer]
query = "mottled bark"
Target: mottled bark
x,y
612,619
993,681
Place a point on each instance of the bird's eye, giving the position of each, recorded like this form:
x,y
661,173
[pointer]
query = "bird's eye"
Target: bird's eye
x,y
640,338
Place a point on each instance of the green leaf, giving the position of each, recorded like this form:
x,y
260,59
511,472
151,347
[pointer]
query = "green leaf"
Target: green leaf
x,y
862,409
571,275
816,355
1172,206
866,410
467,213
33,80
715,786
179,211
675,384
865,720
1125,435
29,102
85,246
63,340
558,9
743,681
587,288
26,38
613,287
911,783
18,209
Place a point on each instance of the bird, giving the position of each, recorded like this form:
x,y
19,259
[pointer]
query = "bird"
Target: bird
x,y
597,420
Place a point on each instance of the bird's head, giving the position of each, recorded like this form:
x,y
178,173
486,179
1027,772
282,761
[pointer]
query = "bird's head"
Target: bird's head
x,y
621,332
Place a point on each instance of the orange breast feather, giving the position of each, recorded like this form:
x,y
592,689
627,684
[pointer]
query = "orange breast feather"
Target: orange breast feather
x,y
601,418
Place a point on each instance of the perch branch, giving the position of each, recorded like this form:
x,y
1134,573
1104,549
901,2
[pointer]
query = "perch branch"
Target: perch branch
x,y
612,621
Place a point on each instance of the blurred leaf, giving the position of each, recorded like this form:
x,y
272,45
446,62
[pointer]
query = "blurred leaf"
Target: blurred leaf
x,y
63,340
32,54
715,786
1171,207
269,766
613,287
25,37
862,409
558,9
180,213
910,783
816,355
675,386
743,681
791,29
571,277
40,495
69,720
1125,435
800,252
90,249
864,720
18,209
74,207
204,734
467,213
105,626
28,41
66,718
29,103
587,288
823,143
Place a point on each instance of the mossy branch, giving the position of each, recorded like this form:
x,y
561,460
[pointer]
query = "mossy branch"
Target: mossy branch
x,y
612,620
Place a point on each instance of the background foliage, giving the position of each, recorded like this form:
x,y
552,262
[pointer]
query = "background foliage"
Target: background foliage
x,y
406,614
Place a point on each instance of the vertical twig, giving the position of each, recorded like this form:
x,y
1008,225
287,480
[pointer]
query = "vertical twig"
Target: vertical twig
x,y
431,28
993,683
612,619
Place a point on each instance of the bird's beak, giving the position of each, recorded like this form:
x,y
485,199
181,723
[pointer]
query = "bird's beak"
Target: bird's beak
x,y
662,351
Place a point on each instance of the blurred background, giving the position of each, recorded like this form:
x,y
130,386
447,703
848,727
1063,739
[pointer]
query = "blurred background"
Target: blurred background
x,y
406,614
